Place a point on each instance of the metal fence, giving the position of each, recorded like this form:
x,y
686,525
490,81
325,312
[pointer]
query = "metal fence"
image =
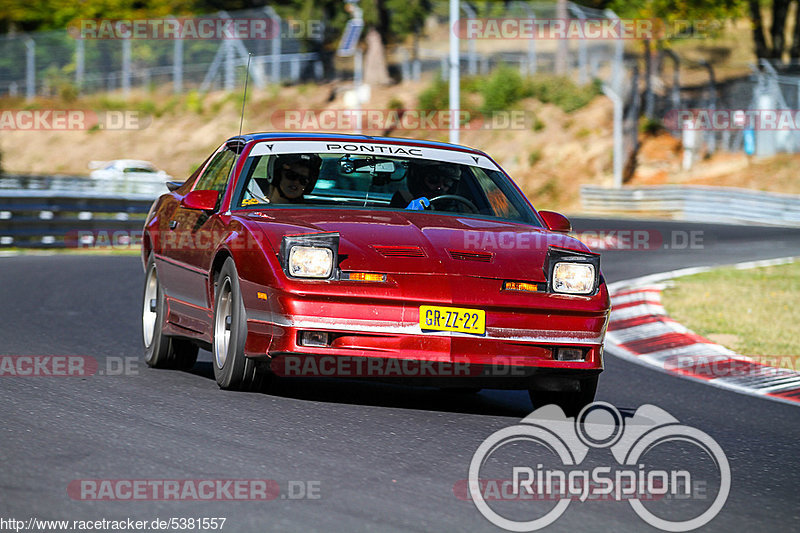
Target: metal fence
x,y
54,219
696,203
49,63
769,87
139,185
584,59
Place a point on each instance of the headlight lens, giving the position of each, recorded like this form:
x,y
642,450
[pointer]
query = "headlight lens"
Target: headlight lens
x,y
310,262
573,278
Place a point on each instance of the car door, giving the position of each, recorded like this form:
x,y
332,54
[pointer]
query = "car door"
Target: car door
x,y
192,241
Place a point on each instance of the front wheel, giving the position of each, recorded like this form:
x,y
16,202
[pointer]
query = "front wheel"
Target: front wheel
x,y
161,351
232,369
571,402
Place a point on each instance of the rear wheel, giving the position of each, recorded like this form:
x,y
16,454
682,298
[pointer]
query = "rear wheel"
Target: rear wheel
x,y
161,351
571,402
232,369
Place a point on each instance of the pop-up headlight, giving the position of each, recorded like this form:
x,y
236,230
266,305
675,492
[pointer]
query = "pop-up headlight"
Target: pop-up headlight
x,y
313,256
570,272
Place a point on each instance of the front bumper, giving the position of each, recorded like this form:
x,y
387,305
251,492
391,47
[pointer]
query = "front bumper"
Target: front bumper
x,y
523,332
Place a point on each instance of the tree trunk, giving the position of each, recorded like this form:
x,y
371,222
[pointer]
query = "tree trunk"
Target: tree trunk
x,y
561,45
376,71
648,80
794,51
780,9
759,38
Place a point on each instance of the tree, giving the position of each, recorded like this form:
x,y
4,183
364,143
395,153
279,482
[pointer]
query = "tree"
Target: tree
x,y
777,46
38,15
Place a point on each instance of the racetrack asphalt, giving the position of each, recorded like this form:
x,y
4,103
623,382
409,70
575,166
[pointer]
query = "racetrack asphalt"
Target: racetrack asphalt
x,y
386,457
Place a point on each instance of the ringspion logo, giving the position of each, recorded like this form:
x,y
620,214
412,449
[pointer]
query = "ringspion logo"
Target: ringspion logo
x,y
542,459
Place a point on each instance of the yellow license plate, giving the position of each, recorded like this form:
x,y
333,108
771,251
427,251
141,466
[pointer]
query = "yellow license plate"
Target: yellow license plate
x,y
434,317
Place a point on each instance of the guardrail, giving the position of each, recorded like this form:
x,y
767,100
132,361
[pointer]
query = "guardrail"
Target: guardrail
x,y
84,184
696,203
59,219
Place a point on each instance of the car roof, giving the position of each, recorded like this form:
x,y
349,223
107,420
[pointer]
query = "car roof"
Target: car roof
x,y
354,138
132,163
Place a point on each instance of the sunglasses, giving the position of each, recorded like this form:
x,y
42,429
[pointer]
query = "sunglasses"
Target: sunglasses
x,y
291,175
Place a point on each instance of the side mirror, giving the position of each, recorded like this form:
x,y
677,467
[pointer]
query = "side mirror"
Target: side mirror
x,y
202,200
556,221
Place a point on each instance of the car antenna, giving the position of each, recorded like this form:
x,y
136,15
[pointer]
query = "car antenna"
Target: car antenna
x,y
244,99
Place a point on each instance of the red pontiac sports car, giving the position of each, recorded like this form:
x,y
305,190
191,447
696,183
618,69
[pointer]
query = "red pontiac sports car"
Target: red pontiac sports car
x,y
357,256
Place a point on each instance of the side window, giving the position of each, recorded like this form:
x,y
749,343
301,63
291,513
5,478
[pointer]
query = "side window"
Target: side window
x,y
215,178
498,200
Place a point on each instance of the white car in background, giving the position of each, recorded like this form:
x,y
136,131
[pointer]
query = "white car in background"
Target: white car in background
x,y
128,175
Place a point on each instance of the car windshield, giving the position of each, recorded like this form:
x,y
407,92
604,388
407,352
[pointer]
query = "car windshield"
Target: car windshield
x,y
379,182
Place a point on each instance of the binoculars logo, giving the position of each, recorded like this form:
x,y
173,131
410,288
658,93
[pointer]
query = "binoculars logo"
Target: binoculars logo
x,y
568,441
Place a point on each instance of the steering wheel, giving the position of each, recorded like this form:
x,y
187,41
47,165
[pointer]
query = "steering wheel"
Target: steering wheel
x,y
457,198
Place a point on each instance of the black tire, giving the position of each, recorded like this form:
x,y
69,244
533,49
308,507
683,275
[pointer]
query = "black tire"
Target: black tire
x,y
161,351
232,369
571,402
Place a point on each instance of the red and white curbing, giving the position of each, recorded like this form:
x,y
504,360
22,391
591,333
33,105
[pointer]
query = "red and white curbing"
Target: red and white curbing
x,y
640,330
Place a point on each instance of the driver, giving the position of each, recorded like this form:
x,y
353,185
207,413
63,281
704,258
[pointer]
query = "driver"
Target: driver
x,y
424,183
292,177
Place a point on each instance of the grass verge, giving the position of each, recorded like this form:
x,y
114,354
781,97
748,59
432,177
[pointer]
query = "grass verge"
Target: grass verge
x,y
753,312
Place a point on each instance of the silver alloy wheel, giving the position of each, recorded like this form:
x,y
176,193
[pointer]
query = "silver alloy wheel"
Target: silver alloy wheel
x,y
222,328
150,315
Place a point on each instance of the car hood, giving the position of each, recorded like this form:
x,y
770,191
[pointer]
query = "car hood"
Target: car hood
x,y
420,243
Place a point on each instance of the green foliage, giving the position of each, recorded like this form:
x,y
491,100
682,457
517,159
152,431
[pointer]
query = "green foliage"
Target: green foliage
x,y
671,10
650,126
38,15
504,88
472,84
111,104
436,96
562,92
395,104
550,190
534,157
234,98
538,124
194,102
168,107
147,107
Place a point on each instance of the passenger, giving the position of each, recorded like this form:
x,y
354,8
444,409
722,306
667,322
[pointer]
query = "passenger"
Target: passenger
x,y
424,183
292,177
